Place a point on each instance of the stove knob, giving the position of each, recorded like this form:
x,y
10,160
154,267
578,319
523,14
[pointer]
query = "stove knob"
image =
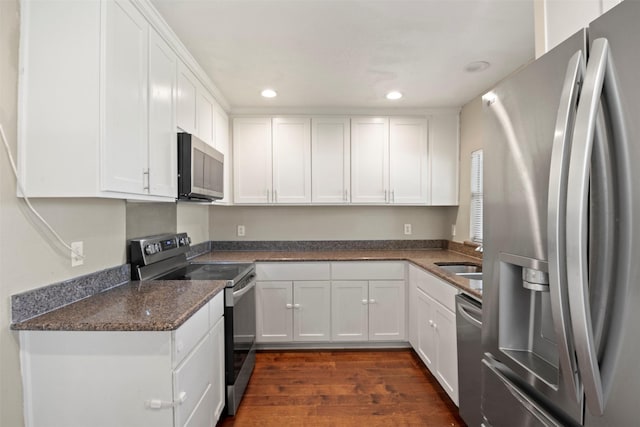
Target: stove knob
x,y
158,247
149,249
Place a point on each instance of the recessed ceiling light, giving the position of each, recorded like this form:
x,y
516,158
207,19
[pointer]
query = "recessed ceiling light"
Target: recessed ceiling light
x,y
269,93
393,95
476,66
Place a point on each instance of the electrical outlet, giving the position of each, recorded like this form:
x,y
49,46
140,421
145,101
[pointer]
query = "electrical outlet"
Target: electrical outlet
x,y
241,231
77,254
407,229
453,230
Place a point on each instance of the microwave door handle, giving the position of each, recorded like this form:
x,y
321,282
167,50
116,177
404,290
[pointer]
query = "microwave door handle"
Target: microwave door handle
x,y
556,216
598,72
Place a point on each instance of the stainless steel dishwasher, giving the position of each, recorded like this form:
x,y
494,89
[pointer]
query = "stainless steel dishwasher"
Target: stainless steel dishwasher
x,y
468,329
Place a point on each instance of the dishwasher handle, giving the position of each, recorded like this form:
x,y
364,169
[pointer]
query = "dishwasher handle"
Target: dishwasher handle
x,y
469,311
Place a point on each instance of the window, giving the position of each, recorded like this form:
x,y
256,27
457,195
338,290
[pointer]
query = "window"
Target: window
x,y
476,197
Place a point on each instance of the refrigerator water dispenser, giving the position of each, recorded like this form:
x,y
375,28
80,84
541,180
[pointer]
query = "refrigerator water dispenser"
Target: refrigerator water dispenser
x,y
526,332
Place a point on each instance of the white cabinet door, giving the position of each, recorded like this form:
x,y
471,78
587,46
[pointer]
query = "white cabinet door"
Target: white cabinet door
x,y
162,133
447,351
252,160
274,303
221,143
312,311
187,95
124,155
191,380
349,310
331,158
408,161
369,160
444,158
425,334
291,160
218,385
387,310
204,115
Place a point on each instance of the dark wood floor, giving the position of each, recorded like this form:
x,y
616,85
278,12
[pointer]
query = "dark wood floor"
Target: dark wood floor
x,y
343,388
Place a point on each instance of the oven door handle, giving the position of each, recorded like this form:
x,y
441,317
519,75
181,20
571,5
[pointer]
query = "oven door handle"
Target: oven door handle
x,y
239,293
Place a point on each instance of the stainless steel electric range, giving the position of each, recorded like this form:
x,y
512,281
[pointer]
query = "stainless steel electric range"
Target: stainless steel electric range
x,y
163,257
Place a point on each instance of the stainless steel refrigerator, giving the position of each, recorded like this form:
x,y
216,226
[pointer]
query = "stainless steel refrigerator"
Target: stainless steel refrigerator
x,y
561,298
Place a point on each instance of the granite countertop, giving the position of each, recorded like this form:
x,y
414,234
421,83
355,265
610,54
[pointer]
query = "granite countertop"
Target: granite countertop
x,y
424,258
153,305
164,305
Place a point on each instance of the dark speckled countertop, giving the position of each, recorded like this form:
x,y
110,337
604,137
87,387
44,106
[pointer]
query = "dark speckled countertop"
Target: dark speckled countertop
x,y
424,258
154,305
164,305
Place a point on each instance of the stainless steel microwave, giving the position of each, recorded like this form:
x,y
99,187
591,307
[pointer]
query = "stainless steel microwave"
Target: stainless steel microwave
x,y
200,170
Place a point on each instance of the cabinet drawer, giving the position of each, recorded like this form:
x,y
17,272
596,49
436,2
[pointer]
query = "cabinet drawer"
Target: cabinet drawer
x,y
293,271
193,377
201,416
216,308
187,336
439,290
367,270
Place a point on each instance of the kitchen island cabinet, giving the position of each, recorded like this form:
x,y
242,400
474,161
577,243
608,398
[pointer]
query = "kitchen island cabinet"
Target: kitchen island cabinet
x,y
127,377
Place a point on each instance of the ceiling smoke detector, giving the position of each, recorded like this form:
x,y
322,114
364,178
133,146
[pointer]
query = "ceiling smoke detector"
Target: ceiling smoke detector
x,y
476,66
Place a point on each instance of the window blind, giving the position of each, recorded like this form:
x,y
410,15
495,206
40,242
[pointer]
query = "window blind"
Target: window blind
x,y
476,197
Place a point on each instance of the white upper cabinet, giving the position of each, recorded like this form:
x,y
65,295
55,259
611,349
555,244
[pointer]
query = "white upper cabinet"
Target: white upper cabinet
x,y
330,158
272,166
97,95
336,160
162,135
444,158
390,161
369,160
221,143
408,161
186,103
124,145
195,107
205,116
291,160
252,170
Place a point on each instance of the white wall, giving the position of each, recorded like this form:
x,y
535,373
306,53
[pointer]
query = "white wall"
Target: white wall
x,y
330,222
471,135
193,219
556,20
28,258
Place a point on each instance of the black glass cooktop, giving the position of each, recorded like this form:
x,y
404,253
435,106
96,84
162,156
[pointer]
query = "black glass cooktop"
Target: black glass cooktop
x,y
210,271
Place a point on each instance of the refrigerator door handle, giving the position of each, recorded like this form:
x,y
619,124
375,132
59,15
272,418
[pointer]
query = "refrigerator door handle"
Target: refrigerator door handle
x,y
577,224
557,205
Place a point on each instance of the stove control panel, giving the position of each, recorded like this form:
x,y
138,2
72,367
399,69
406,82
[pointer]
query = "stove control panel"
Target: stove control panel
x,y
151,249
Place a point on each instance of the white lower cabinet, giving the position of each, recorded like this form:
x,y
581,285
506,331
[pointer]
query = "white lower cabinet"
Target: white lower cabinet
x,y
116,378
432,323
368,310
293,311
324,302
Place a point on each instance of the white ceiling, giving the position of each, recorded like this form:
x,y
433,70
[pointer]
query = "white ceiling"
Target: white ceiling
x,y
350,53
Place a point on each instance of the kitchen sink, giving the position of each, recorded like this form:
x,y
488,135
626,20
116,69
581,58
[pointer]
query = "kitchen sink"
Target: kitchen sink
x,y
471,276
460,268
